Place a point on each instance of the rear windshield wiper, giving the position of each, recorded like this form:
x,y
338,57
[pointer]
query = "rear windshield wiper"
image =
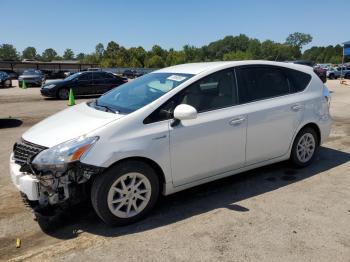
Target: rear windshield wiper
x,y
106,107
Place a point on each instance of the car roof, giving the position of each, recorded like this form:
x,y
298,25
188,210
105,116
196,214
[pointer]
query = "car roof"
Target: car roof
x,y
197,68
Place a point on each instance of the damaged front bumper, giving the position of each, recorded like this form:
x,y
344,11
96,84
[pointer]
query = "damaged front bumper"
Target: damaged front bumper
x,y
53,189
25,182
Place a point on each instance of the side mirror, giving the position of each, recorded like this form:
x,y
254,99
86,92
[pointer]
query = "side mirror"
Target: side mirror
x,y
183,112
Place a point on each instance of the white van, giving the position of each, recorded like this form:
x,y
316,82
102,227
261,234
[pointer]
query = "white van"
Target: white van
x,y
169,130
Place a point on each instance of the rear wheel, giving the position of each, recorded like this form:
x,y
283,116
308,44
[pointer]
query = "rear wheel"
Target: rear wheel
x,y
331,76
125,193
63,94
347,76
304,147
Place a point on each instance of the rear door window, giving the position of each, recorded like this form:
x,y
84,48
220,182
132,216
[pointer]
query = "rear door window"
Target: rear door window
x,y
261,82
85,77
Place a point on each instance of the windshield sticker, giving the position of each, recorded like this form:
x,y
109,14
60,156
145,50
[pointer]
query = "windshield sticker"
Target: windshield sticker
x,y
176,78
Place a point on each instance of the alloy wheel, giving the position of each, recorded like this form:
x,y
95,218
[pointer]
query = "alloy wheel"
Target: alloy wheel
x,y
129,195
306,147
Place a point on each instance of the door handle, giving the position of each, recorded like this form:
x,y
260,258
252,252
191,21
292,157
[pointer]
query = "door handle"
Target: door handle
x,y
237,121
296,107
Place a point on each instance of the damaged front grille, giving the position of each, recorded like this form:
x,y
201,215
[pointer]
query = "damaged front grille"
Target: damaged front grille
x,y
24,151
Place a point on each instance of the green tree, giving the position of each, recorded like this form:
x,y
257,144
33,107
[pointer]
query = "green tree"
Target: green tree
x,y
49,54
68,54
8,52
80,57
254,48
158,51
298,39
139,54
112,50
99,51
155,61
29,53
91,59
237,55
175,57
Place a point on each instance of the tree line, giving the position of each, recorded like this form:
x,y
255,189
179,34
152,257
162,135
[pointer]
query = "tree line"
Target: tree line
x,y
229,48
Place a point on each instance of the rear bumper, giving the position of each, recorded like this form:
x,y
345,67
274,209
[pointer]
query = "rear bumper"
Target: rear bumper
x,y
24,182
30,81
325,126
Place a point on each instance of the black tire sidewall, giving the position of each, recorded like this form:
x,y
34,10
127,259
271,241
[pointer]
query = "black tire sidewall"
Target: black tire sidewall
x,y
103,183
294,158
59,96
7,81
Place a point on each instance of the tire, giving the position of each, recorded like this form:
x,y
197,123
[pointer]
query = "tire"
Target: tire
x,y
306,139
108,188
347,76
331,76
7,83
63,93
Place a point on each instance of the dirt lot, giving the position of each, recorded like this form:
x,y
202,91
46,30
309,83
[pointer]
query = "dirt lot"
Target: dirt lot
x,y
275,213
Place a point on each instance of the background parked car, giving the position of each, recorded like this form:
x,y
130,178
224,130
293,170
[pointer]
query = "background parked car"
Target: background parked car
x,y
131,73
32,77
82,83
336,72
5,80
12,74
61,74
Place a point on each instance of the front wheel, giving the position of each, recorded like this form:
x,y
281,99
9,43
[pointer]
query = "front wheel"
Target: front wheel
x,y
125,193
63,94
7,83
304,147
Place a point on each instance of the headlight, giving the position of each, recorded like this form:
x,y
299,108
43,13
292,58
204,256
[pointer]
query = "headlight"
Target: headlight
x,y
56,158
50,86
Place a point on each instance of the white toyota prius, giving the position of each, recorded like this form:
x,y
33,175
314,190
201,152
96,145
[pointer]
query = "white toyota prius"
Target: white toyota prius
x,y
169,130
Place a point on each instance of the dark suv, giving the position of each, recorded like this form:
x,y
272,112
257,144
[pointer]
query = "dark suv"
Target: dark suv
x,y
82,83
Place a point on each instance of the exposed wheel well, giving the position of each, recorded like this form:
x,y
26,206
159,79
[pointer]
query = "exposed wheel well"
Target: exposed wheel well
x,y
150,162
317,130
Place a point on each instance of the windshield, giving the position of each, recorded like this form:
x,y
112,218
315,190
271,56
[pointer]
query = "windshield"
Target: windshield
x,y
71,77
3,74
32,72
141,91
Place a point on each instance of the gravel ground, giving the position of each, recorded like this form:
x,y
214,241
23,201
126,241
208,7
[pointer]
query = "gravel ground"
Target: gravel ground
x,y
275,213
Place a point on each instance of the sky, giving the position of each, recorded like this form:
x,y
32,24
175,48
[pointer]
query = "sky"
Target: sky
x,y
80,25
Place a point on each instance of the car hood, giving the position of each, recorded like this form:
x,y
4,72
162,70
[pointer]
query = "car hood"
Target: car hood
x,y
55,82
29,76
68,124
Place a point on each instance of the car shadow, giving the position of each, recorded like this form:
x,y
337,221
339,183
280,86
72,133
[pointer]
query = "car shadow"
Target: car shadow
x,y
10,122
7,87
75,97
223,193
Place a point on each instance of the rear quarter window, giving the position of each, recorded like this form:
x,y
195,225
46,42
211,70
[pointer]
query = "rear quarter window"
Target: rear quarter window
x,y
298,80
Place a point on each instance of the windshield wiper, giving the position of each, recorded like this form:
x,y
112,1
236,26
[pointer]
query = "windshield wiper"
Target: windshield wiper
x,y
108,109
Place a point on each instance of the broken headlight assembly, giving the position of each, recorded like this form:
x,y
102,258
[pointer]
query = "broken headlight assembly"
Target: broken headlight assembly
x,y
58,157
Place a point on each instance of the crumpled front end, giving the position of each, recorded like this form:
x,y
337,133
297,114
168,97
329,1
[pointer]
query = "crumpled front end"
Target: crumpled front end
x,y
48,188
